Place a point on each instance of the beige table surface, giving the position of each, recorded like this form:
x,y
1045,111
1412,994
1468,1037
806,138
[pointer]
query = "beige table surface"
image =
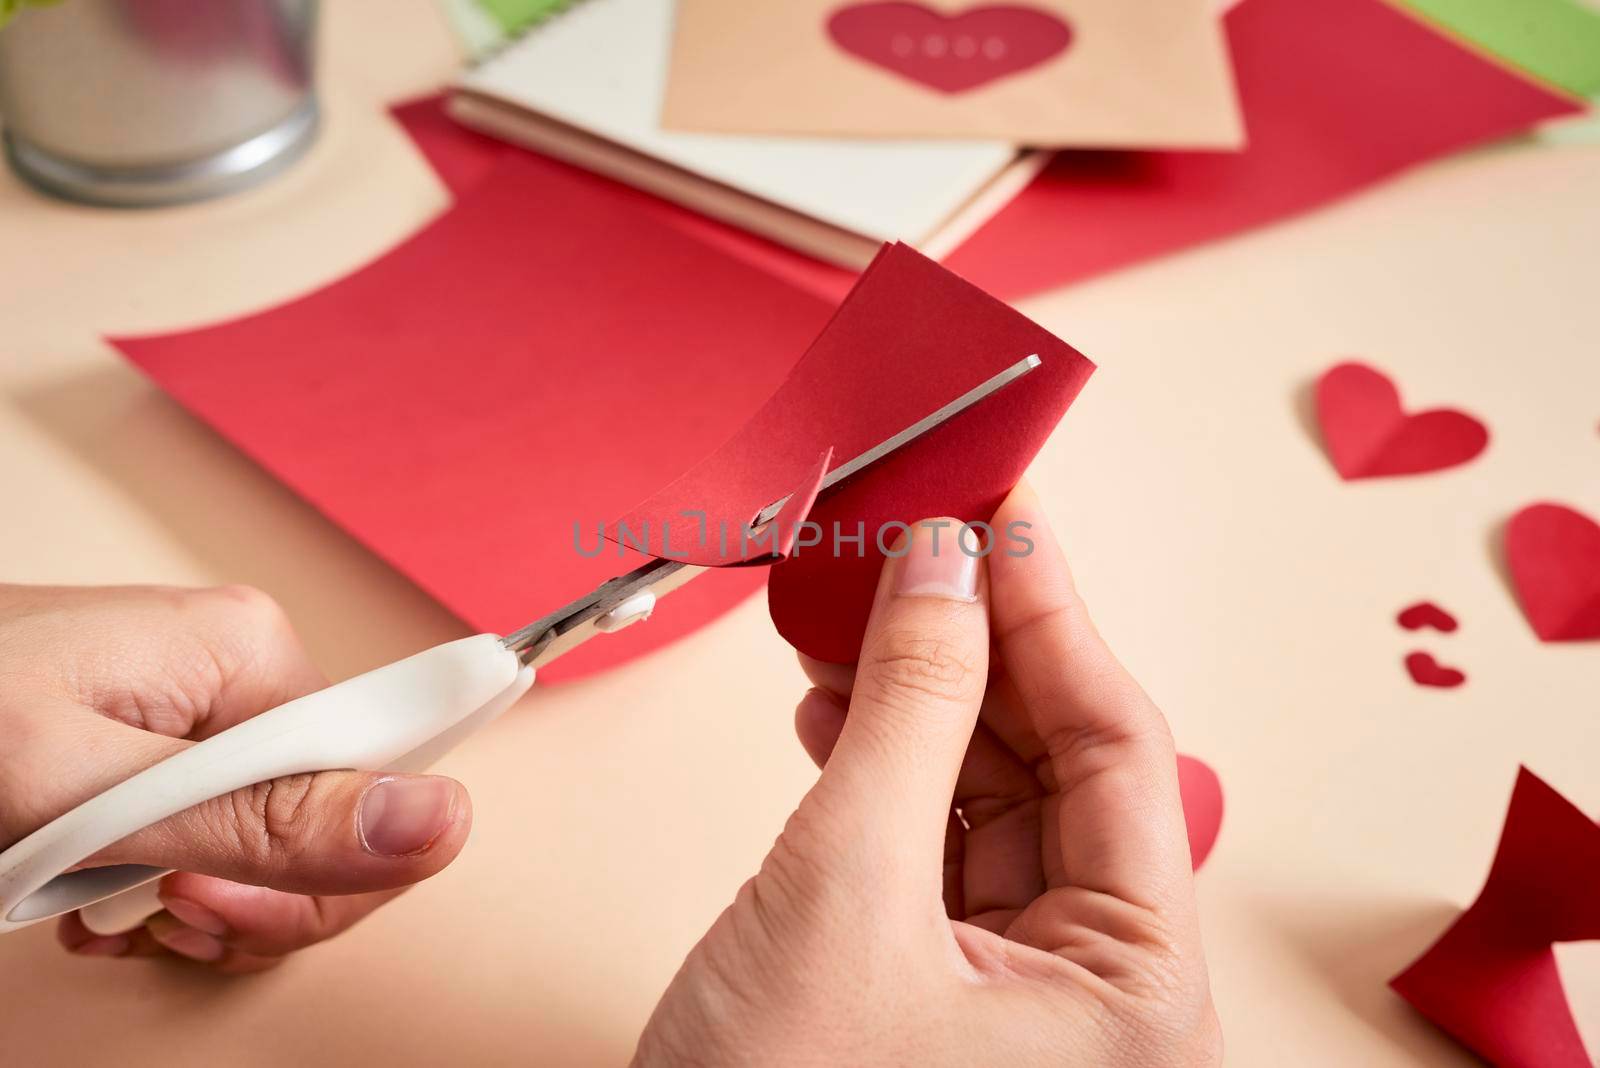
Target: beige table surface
x,y
1250,590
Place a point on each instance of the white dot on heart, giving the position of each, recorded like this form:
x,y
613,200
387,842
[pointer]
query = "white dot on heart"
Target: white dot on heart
x,y
902,45
934,45
994,47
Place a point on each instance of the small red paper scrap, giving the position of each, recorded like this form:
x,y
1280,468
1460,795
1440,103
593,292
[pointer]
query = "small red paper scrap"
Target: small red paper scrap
x,y
1426,671
1426,614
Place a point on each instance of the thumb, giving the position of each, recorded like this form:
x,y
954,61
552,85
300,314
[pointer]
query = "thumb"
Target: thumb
x,y
887,786
333,832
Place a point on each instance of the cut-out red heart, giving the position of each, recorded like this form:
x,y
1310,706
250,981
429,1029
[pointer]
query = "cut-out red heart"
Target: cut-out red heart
x,y
1368,434
950,53
1553,554
1426,614
1201,792
1426,671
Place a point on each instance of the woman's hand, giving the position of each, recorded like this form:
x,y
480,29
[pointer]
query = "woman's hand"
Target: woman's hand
x,y
101,683
992,867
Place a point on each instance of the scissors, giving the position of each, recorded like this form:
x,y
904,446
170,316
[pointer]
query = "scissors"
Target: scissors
x,y
399,717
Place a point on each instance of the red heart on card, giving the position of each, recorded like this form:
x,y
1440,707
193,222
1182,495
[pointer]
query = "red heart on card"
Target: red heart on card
x,y
1201,792
1553,553
950,53
1368,434
1426,671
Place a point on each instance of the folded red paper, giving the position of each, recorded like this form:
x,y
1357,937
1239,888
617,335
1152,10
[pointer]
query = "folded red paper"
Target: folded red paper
x,y
910,338
1553,554
476,403
1491,979
1368,435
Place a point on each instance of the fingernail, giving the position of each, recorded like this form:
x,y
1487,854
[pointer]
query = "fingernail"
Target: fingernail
x,y
196,945
403,816
936,565
104,946
196,916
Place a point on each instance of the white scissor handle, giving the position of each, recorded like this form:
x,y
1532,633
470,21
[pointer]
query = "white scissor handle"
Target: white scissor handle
x,y
400,717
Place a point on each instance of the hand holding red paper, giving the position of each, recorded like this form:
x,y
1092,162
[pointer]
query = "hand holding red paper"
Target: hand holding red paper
x,y
968,882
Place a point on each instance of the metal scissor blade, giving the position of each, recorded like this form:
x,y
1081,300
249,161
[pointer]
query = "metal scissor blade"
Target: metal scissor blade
x,y
569,626
911,433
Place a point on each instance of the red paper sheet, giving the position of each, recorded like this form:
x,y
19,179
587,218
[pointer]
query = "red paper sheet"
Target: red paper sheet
x,y
1336,95
1491,979
522,364
462,157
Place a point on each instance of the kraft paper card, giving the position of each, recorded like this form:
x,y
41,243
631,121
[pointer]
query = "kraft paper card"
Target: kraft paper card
x,y
1046,73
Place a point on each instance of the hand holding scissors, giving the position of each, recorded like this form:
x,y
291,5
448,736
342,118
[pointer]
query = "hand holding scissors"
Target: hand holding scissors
x,y
400,717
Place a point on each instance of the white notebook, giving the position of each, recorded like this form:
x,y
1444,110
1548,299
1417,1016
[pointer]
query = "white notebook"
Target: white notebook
x,y
588,86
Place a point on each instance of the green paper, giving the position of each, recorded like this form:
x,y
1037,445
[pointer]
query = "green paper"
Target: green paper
x,y
514,16
1556,41
478,32
11,7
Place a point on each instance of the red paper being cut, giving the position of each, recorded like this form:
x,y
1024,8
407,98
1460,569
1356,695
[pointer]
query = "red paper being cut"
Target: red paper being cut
x,y
1491,980
1368,435
910,338
1553,554
516,370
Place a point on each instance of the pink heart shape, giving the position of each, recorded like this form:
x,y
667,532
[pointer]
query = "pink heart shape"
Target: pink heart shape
x,y
1368,434
1553,554
950,53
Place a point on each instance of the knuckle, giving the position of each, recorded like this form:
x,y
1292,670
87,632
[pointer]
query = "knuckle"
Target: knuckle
x,y
252,609
273,822
911,668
